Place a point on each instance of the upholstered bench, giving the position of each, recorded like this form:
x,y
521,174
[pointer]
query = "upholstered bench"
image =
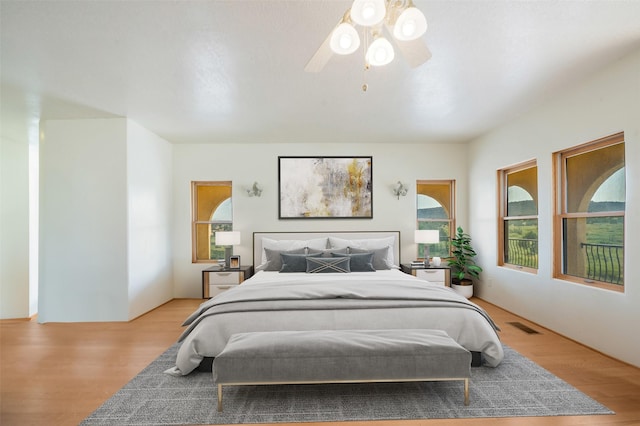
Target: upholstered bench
x,y
340,356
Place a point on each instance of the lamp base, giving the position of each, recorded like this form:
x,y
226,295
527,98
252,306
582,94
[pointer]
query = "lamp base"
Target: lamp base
x,y
227,257
426,256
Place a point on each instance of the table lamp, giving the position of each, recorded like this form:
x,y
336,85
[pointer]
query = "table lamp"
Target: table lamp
x,y
227,239
426,237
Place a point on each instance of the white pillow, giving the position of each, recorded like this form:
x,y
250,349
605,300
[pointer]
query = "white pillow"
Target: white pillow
x,y
286,245
368,244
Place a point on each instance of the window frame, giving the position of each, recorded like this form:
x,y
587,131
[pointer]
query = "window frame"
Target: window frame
x,y
195,222
503,218
561,211
451,183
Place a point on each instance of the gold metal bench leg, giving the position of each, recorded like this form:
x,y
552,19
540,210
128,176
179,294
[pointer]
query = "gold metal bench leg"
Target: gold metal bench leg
x,y
219,398
466,391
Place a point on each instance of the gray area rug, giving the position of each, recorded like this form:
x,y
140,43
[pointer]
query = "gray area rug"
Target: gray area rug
x,y
517,387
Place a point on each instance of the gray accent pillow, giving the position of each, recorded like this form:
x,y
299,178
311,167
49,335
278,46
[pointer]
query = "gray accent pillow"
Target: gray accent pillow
x,y
359,262
274,261
380,256
321,265
328,252
295,262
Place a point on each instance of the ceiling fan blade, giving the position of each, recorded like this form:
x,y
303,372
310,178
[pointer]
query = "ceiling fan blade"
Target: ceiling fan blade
x,y
415,52
321,57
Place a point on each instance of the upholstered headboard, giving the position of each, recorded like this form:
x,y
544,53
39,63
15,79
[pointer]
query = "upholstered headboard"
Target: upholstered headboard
x,y
356,235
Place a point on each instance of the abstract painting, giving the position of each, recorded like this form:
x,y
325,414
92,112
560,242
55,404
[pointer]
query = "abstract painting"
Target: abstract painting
x,y
325,187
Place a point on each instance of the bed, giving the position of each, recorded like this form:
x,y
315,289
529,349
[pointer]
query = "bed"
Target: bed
x,y
332,281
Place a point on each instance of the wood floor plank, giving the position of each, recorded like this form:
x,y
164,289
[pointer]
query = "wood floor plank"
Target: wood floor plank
x,y
58,373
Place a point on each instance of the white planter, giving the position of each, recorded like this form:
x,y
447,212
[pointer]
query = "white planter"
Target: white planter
x,y
463,290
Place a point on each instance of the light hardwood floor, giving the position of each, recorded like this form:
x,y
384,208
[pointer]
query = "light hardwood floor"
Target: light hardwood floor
x,y
58,373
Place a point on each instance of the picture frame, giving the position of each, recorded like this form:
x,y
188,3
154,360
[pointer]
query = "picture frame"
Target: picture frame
x,y
339,187
234,262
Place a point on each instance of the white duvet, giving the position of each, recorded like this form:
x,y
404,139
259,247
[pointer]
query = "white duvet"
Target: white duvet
x,y
386,299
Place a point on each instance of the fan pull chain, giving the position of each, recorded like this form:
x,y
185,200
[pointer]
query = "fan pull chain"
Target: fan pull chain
x,y
365,86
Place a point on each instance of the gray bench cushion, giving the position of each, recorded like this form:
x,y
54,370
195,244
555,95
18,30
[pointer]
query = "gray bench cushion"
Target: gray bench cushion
x,y
340,355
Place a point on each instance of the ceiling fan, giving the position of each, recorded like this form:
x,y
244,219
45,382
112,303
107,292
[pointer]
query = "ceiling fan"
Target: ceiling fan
x,y
399,19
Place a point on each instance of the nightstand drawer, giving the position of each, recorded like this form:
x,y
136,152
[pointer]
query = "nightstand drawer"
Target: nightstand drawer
x,y
436,276
225,277
215,289
216,280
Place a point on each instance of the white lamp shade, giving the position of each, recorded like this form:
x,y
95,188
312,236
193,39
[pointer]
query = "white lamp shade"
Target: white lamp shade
x,y
227,238
380,52
344,39
368,12
410,25
427,236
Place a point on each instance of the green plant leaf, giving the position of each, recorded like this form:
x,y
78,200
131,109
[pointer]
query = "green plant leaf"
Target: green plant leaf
x,y
462,263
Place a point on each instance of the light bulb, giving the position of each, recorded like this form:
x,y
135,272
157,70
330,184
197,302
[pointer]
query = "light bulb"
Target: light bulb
x,y
409,28
368,12
344,39
380,52
410,25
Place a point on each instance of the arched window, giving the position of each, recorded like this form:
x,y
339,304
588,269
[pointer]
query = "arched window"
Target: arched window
x,y
590,210
212,211
436,211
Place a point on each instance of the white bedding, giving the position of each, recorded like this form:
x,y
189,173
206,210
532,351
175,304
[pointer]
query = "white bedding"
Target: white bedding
x,y
385,299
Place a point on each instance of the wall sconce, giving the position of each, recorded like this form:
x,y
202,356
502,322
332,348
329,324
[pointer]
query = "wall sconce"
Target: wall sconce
x,y
227,239
255,190
426,237
400,189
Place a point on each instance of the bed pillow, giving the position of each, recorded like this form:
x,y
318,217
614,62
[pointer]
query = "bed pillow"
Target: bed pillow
x,y
286,245
359,262
369,244
295,262
335,242
274,260
321,265
380,257
329,252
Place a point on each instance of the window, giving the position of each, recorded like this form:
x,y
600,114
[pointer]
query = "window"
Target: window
x,y
436,211
211,211
518,213
590,210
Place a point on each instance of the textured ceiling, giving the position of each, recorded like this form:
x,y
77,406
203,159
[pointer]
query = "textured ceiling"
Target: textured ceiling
x,y
232,71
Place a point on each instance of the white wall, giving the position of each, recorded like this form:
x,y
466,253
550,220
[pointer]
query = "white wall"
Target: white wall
x,y
14,228
605,104
149,183
83,221
98,259
34,220
245,163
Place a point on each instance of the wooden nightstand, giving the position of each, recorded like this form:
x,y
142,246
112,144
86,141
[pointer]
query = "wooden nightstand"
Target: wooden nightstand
x,y
216,280
434,274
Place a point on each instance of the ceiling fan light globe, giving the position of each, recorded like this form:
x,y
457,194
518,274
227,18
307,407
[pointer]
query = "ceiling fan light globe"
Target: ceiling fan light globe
x,y
409,28
380,52
344,39
410,25
368,12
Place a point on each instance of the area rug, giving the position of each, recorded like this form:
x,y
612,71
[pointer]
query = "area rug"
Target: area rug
x,y
517,387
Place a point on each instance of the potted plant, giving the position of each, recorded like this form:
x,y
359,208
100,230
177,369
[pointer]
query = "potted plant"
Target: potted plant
x,y
463,267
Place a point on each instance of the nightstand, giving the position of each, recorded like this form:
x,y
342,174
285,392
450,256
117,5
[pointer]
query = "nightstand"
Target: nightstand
x,y
434,274
215,280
